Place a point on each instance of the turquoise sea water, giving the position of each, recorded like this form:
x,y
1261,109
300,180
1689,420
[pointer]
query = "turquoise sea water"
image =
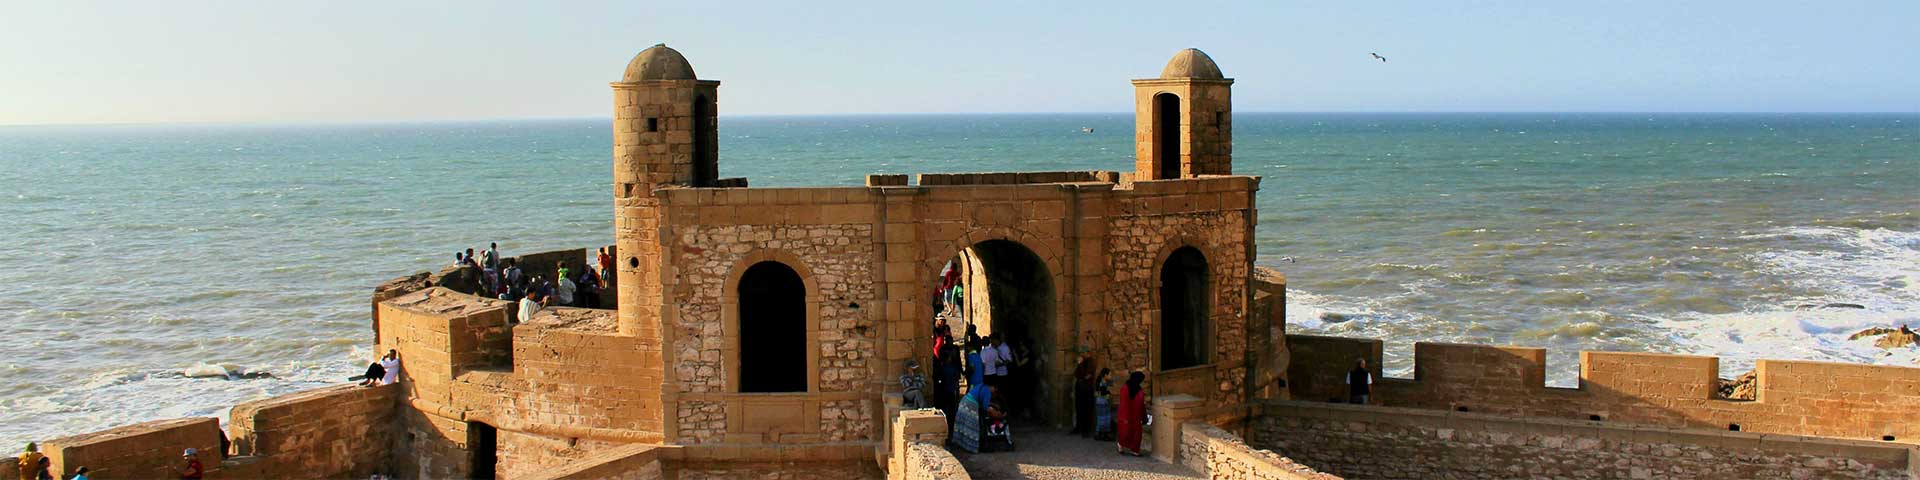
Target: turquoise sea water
x,y
129,254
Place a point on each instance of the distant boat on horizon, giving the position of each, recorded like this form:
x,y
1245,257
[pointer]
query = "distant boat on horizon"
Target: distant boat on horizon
x,y
1086,129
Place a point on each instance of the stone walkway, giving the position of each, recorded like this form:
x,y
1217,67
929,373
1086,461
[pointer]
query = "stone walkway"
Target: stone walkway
x,y
1045,454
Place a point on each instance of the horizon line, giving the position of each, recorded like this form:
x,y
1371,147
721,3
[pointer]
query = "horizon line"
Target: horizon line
x,y
609,117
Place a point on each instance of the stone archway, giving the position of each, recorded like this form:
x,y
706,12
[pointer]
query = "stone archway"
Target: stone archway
x,y
1009,290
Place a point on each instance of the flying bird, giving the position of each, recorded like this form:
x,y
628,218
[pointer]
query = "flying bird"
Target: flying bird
x,y
1382,59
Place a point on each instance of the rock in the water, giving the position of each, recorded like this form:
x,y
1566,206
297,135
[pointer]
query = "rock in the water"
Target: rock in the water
x,y
1890,338
1331,317
1740,388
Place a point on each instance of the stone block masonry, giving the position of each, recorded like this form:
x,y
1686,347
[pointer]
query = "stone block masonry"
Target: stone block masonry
x,y
1402,443
1862,402
1220,455
141,450
321,433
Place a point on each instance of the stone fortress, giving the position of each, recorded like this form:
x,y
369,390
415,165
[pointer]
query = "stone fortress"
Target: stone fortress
x,y
760,332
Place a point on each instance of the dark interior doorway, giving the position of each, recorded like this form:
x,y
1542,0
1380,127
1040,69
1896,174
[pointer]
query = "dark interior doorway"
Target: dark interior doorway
x,y
1184,306
773,329
1009,291
706,164
483,442
1166,142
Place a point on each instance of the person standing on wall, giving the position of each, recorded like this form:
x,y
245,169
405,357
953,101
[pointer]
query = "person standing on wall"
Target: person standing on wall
x,y
1131,413
1083,394
1359,383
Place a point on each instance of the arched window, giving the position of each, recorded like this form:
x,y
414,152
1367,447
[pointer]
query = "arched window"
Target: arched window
x,y
1184,305
773,329
1166,140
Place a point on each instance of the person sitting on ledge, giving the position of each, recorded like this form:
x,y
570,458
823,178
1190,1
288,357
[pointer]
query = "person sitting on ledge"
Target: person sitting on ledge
x,y
913,387
375,372
1359,383
529,305
390,367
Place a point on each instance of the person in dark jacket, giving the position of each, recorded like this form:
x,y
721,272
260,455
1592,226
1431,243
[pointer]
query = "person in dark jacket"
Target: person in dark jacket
x,y
1359,383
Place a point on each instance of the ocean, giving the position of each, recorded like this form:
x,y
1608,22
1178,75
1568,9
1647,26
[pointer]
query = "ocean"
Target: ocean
x,y
132,254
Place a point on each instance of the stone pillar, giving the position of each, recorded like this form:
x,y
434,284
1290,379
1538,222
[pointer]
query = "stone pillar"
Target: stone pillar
x,y
925,425
1169,412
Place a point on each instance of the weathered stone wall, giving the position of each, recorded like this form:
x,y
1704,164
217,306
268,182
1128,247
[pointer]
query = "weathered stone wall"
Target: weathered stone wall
x,y
794,470
1401,443
1220,455
522,454
320,433
142,450
1794,397
440,333
915,451
628,462
826,236
1213,216
1267,334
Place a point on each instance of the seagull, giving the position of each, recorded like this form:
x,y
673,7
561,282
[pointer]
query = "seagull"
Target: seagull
x,y
1382,59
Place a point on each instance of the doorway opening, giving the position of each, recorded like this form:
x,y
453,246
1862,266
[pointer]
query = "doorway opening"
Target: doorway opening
x,y
706,162
1001,288
1185,303
483,443
1166,140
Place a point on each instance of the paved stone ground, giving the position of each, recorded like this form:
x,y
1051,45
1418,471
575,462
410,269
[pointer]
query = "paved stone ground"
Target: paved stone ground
x,y
1050,455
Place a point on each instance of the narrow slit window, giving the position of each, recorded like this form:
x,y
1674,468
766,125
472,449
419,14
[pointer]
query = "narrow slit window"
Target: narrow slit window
x,y
653,124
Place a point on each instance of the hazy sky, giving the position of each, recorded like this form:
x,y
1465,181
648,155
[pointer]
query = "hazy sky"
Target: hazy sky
x,y
146,61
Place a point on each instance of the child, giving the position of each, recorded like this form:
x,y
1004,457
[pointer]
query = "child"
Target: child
x,y
1103,406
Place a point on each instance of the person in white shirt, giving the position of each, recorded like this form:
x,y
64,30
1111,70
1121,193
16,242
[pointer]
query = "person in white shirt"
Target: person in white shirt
x,y
529,305
996,358
391,362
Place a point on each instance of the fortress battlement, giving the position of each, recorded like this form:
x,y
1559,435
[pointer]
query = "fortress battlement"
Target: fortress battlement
x,y
1836,400
753,332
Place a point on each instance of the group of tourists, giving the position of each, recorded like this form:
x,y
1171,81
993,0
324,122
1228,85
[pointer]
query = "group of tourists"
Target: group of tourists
x,y
36,466
998,375
506,280
1104,413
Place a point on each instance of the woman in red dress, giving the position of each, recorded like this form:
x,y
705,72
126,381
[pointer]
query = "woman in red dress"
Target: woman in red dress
x,y
1130,415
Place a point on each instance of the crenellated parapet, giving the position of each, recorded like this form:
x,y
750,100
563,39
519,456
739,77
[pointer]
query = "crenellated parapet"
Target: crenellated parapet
x,y
1822,399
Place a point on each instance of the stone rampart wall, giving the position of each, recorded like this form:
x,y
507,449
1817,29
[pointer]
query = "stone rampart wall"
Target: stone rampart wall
x,y
1401,443
1794,397
142,450
325,432
440,333
629,462
1015,178
1219,455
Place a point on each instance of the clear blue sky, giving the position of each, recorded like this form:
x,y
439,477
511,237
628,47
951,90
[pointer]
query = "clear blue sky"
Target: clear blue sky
x,y
85,62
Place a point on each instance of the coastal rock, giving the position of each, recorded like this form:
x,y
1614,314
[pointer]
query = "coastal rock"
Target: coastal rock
x,y
1741,388
1890,338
